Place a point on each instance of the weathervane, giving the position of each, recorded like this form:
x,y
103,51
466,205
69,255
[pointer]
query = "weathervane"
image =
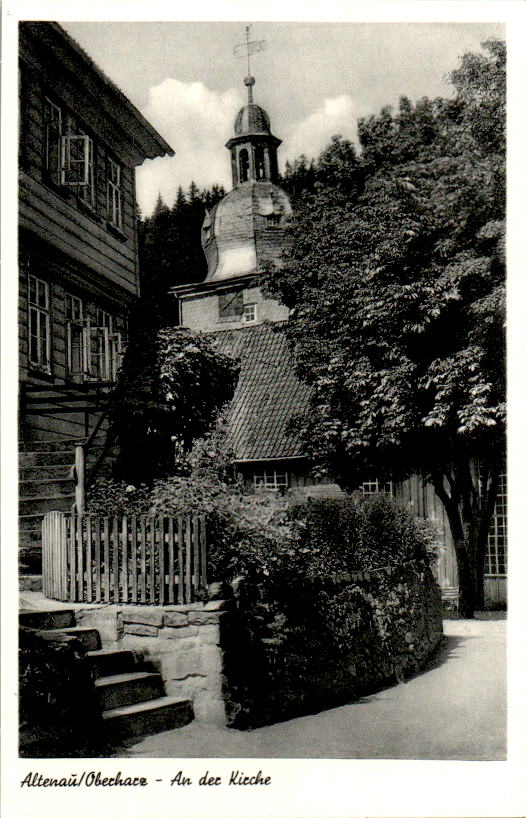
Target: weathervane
x,y
245,50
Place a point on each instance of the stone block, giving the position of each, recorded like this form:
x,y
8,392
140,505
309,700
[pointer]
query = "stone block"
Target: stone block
x,y
140,630
211,660
209,709
204,617
143,615
148,646
180,665
216,605
177,632
209,634
105,619
175,619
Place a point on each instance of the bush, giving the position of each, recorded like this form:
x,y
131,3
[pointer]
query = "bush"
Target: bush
x,y
108,497
247,533
59,716
258,534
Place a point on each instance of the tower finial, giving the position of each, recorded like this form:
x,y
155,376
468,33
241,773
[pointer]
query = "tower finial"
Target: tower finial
x,y
245,50
247,33
249,82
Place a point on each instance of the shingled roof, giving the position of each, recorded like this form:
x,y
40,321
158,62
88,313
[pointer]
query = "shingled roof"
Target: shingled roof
x,y
268,394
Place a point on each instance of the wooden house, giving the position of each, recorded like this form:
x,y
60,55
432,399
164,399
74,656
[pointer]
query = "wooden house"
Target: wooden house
x,y
80,141
250,226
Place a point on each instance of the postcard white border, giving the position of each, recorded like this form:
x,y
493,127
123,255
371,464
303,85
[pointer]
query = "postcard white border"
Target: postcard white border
x,y
300,788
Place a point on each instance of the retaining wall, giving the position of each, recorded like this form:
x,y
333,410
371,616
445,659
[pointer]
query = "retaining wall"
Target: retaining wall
x,y
272,652
312,644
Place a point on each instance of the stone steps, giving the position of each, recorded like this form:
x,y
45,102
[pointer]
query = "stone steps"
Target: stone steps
x,y
89,637
131,699
106,662
143,719
123,689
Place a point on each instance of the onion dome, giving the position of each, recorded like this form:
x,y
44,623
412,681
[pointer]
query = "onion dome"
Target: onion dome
x,y
247,229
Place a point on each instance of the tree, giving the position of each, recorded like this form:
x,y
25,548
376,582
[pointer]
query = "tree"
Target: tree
x,y
171,388
395,283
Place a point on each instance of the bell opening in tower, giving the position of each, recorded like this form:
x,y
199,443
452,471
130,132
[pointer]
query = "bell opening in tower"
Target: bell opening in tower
x,y
260,163
244,165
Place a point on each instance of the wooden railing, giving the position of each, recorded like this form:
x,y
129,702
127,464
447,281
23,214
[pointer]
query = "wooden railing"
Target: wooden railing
x,y
125,559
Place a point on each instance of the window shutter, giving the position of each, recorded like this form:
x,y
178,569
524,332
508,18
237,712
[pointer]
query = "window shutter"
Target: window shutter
x,y
115,354
76,151
86,350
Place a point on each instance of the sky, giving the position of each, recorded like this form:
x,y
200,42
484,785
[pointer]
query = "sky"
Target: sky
x,y
313,79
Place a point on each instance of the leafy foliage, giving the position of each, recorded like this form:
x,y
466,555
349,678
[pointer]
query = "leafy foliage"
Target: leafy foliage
x,y
172,386
58,712
396,286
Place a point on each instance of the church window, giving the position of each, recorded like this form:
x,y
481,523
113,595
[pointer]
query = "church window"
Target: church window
x,y
244,166
249,313
231,306
260,163
271,480
377,487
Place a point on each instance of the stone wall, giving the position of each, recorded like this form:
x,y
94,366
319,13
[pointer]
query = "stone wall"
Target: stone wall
x,y
179,641
272,652
317,643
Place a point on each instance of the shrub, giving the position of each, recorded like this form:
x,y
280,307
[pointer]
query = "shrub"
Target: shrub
x,y
360,533
108,497
58,713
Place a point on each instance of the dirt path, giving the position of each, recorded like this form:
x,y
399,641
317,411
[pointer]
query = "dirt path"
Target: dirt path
x,y
455,710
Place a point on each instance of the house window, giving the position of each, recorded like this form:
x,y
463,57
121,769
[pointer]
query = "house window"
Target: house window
x,y
113,193
39,324
249,313
273,219
52,137
231,307
74,337
77,166
69,153
102,348
496,551
376,487
271,480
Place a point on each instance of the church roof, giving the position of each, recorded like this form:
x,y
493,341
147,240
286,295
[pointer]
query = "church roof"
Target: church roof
x,y
268,394
252,119
236,236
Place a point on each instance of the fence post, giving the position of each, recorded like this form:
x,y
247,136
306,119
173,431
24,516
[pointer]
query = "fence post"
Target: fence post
x,y
80,478
54,566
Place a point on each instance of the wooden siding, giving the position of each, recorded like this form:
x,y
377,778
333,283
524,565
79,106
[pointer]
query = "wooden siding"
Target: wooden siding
x,y
56,222
59,62
423,502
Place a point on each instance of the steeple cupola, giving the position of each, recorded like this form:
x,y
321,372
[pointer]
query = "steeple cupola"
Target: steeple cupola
x,y
253,149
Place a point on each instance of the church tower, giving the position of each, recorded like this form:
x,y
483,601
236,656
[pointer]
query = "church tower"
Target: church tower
x,y
248,229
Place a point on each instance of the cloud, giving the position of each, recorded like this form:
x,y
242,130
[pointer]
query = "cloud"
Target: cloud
x,y
312,134
197,122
